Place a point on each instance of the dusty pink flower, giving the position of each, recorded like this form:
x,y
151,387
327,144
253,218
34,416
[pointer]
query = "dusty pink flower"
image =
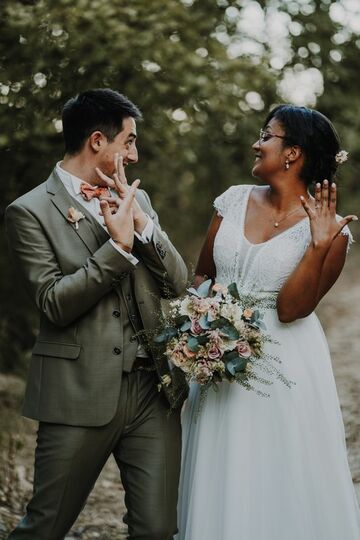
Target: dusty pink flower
x,y
214,307
214,352
203,373
247,313
195,326
217,287
243,348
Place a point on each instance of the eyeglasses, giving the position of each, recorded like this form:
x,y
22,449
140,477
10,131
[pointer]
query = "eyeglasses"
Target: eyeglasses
x,y
266,136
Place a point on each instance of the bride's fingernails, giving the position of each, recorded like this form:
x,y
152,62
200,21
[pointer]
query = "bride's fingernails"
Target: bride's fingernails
x,y
354,218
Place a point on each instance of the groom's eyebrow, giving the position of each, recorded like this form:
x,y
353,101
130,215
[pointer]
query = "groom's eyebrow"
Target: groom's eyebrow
x,y
131,136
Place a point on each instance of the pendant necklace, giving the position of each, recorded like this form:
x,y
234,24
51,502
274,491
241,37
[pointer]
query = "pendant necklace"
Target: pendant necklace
x,y
277,222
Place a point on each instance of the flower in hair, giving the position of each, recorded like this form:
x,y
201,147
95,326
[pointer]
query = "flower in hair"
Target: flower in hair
x,y
341,156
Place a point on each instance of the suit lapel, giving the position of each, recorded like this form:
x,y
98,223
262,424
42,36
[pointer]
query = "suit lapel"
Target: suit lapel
x,y
90,231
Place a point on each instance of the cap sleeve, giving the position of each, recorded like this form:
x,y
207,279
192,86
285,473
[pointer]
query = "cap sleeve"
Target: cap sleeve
x,y
346,232
229,201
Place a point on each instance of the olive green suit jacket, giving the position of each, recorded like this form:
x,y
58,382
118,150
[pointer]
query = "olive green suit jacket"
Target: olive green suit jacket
x,y
74,275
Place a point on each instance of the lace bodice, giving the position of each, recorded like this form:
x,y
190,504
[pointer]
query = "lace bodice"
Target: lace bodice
x,y
255,268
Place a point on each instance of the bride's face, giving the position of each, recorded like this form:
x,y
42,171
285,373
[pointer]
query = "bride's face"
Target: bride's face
x,y
270,153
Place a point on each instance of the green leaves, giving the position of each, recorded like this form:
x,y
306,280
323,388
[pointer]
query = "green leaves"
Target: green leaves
x,y
233,363
233,290
203,290
225,327
166,335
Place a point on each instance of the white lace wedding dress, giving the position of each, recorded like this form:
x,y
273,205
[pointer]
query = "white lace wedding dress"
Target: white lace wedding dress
x,y
257,468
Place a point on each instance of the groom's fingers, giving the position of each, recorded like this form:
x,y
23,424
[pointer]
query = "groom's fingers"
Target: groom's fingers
x,y
127,202
120,187
106,181
105,208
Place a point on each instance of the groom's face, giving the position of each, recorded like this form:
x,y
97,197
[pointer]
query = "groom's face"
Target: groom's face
x,y
124,144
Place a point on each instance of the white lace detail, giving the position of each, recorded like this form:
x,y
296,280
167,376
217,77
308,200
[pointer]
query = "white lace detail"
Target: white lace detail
x,y
256,268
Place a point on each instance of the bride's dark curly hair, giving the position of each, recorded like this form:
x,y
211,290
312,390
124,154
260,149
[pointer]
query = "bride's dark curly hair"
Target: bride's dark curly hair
x,y
315,135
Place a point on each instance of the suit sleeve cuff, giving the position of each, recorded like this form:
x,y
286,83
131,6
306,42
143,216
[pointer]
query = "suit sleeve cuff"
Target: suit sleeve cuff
x,y
146,236
129,256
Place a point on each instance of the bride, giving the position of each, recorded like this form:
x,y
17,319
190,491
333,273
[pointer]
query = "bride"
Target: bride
x,y
257,468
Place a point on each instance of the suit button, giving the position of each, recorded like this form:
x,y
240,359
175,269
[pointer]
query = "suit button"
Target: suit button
x,y
133,338
116,313
116,350
128,297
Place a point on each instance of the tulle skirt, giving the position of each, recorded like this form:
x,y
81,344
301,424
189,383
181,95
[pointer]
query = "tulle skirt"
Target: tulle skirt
x,y
270,468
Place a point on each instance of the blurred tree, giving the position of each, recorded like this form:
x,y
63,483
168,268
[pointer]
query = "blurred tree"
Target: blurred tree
x,y
168,59
203,99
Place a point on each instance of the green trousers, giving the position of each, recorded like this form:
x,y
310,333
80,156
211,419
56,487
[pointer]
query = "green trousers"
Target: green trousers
x,y
146,444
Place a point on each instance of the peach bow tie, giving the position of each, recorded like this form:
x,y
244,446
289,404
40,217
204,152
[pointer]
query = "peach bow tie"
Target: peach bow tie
x,y
89,192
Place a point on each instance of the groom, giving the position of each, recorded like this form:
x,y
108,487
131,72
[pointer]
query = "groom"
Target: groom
x,y
97,271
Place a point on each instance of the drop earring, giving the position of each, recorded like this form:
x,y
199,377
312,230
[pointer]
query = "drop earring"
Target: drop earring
x,y
287,164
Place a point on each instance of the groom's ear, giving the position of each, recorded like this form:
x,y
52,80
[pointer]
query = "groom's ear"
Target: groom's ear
x,y
97,140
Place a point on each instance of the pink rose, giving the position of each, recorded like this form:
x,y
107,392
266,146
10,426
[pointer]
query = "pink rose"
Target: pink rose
x,y
217,287
214,352
195,327
243,349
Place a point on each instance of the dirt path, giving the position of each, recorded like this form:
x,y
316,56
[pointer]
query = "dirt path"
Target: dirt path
x,y
102,515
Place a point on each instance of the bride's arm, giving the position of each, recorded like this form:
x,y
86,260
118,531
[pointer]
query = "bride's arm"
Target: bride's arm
x,y
322,262
205,267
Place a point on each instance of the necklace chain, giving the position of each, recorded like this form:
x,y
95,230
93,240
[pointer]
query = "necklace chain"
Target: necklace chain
x,y
277,222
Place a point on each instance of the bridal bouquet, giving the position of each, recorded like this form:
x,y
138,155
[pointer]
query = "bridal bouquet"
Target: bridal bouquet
x,y
213,335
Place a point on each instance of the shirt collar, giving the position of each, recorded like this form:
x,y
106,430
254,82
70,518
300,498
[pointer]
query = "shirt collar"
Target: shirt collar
x,y
70,180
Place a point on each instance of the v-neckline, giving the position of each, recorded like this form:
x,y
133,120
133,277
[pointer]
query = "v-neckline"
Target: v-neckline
x,y
245,209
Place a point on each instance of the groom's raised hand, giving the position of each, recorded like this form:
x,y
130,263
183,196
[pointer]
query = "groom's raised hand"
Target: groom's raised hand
x,y
120,184
120,223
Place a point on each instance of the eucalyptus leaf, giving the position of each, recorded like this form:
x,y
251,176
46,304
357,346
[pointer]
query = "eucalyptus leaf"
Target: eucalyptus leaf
x,y
233,290
193,344
230,331
203,339
235,365
185,326
204,289
204,323
166,335
193,291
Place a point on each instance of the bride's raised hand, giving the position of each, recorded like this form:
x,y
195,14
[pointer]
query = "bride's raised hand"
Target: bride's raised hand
x,y
323,223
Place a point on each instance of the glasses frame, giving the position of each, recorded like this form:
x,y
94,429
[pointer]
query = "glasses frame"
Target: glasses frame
x,y
269,136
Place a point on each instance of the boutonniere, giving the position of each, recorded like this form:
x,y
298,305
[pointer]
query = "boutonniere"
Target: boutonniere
x,y
74,216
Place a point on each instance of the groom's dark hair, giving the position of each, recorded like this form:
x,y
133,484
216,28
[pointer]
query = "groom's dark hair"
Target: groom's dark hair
x,y
101,109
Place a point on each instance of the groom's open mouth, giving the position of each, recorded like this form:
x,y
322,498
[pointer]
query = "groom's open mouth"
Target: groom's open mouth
x,y
257,156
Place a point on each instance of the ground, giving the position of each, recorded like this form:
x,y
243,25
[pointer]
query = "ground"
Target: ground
x,y
102,515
